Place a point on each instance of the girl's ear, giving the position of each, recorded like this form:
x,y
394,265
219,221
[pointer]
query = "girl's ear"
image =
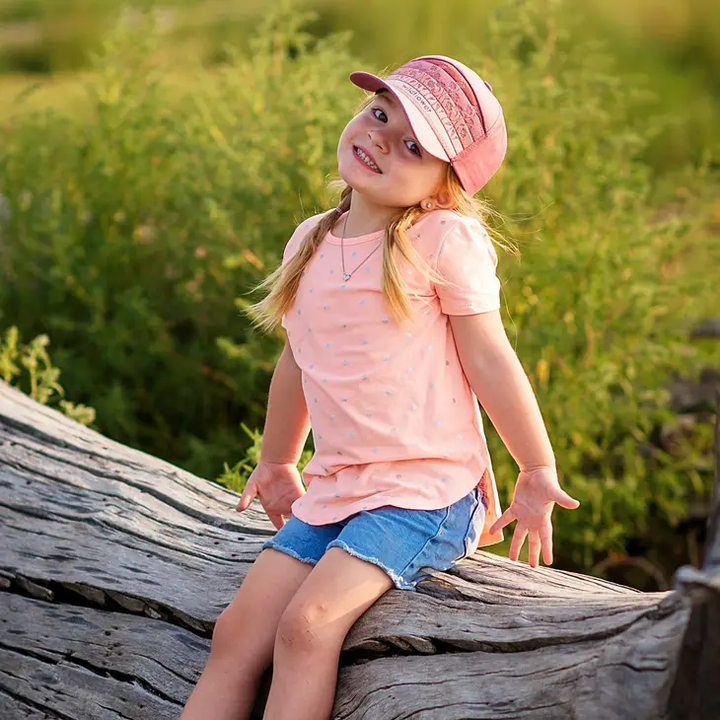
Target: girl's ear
x,y
442,201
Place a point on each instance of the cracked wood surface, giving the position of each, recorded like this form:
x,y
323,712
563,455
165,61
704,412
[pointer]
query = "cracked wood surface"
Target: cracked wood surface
x,y
60,660
129,560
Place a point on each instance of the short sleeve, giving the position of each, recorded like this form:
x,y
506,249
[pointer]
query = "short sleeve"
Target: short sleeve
x,y
298,236
467,262
293,244
290,249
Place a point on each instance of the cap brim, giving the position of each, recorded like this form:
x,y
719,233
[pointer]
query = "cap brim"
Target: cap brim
x,y
421,128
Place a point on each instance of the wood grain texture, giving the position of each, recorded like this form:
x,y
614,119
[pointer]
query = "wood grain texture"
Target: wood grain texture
x,y
622,676
115,566
77,662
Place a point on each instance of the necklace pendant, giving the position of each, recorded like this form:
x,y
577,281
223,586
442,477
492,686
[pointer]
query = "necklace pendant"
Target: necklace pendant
x,y
346,276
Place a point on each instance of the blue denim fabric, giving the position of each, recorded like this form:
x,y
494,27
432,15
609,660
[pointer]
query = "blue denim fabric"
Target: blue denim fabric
x,y
402,542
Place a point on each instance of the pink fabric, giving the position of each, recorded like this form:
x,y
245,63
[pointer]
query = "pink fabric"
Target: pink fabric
x,y
452,112
393,417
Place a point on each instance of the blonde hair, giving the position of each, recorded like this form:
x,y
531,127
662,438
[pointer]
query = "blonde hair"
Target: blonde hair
x,y
283,283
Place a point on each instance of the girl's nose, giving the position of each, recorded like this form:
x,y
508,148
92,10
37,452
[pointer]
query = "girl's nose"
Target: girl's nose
x,y
379,140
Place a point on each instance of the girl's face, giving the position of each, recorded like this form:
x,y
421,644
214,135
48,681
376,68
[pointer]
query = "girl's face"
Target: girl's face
x,y
379,158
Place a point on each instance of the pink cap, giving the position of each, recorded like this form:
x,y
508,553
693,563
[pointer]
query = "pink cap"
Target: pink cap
x,y
452,111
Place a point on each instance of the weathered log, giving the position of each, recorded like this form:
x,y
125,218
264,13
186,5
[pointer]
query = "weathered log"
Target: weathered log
x,y
115,566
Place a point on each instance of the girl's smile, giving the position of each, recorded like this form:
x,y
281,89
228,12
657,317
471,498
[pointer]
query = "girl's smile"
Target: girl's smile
x,y
366,159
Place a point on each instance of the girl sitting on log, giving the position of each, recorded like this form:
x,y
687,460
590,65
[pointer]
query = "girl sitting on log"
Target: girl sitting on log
x,y
391,307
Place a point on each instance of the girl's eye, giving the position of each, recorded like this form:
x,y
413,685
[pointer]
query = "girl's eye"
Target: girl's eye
x,y
413,147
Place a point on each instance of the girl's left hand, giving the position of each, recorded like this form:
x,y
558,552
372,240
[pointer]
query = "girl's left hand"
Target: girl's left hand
x,y
536,493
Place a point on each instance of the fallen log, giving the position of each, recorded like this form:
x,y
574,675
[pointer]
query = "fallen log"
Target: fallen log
x,y
115,565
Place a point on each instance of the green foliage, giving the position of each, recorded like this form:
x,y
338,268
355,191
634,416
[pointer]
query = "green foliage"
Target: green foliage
x,y
236,477
675,45
40,380
131,234
599,307
133,230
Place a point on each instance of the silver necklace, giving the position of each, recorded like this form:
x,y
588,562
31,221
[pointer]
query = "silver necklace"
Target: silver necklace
x,y
346,276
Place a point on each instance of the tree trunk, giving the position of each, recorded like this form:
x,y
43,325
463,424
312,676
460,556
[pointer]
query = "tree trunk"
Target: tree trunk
x,y
115,566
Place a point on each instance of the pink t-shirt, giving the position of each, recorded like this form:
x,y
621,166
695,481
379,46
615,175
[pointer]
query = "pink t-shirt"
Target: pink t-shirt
x,y
393,417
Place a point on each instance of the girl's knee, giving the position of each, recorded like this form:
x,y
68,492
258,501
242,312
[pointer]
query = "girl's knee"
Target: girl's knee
x,y
306,627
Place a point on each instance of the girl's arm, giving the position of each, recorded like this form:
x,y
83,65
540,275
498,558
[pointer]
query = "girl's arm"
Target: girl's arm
x,y
502,387
287,423
276,480
500,383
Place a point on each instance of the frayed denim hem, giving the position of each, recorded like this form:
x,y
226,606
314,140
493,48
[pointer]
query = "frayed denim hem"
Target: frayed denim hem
x,y
281,548
400,583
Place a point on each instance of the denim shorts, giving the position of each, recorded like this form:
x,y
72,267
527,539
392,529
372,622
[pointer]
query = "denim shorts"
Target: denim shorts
x,y
402,542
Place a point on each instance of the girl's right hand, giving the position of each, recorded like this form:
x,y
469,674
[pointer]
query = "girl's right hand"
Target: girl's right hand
x,y
277,485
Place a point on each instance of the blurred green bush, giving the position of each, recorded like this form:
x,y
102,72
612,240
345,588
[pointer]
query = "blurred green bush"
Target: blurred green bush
x,y
675,44
132,235
136,229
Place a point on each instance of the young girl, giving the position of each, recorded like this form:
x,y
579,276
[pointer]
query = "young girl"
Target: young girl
x,y
391,306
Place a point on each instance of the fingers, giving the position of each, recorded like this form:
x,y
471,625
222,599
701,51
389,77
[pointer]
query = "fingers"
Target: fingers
x,y
505,519
247,497
547,542
534,549
517,541
564,500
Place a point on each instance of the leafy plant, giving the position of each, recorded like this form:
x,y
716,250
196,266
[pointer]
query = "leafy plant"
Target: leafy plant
x,y
236,477
28,367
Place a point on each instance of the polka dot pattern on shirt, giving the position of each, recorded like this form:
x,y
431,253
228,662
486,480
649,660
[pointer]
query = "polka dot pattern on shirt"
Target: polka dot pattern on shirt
x,y
387,394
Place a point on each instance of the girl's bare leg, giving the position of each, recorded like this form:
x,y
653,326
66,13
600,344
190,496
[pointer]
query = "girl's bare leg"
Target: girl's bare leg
x,y
242,642
311,632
